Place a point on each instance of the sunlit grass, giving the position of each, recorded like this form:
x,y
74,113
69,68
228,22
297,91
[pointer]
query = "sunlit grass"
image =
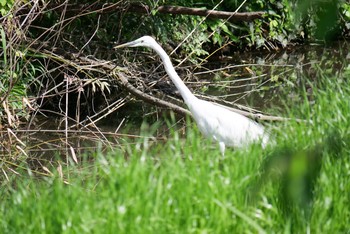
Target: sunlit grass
x,y
183,185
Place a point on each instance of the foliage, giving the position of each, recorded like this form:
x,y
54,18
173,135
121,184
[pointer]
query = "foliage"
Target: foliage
x,y
285,22
5,6
321,20
28,70
289,21
16,73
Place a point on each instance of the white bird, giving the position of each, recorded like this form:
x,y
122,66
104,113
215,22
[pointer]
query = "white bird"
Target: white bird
x,y
224,126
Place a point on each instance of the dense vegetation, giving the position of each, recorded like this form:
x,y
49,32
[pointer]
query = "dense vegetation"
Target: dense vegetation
x,y
40,40
58,58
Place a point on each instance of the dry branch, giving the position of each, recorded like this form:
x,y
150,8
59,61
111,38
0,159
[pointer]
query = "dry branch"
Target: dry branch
x,y
123,81
108,68
144,9
148,98
179,10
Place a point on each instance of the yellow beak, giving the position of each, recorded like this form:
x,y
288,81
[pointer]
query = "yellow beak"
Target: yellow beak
x,y
129,44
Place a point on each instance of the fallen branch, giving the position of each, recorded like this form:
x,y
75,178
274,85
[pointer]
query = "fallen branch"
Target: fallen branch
x,y
110,69
98,7
259,116
120,76
158,102
179,10
123,81
148,98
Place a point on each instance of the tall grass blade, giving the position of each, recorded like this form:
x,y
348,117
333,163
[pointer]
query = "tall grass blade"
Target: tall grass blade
x,y
4,44
243,216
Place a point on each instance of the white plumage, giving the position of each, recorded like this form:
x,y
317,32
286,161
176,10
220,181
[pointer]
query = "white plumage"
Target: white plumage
x,y
224,126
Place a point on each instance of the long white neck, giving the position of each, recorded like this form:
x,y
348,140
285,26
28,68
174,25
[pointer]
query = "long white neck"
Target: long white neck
x,y
180,85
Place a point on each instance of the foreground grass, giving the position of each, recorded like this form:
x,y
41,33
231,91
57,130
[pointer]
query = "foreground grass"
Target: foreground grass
x,y
184,186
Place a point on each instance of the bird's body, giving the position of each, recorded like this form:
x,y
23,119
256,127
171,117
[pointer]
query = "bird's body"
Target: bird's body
x,y
227,127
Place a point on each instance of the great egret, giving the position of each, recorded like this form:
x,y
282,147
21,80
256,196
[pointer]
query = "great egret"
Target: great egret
x,y
227,127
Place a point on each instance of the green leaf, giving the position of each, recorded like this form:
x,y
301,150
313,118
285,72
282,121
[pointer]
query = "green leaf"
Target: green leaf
x,y
153,12
226,30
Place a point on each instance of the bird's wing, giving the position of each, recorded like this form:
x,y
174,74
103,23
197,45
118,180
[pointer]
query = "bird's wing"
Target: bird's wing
x,y
237,130
224,125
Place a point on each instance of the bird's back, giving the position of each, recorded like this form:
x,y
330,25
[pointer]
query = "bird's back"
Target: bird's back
x,y
226,126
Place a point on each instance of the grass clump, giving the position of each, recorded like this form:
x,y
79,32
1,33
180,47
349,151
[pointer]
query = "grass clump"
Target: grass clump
x,y
153,193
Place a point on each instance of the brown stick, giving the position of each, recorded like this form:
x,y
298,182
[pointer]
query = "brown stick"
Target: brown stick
x,y
108,67
123,81
179,10
177,109
148,98
144,9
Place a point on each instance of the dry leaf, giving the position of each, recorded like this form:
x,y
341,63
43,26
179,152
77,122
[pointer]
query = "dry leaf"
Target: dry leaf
x,y
73,155
47,170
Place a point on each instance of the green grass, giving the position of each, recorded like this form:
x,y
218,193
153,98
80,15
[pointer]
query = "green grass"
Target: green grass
x,y
183,185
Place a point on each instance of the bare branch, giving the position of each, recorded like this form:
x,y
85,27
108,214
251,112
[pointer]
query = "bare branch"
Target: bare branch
x,y
145,9
179,10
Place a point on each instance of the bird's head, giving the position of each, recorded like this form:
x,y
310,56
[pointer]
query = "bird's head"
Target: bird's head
x,y
145,41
